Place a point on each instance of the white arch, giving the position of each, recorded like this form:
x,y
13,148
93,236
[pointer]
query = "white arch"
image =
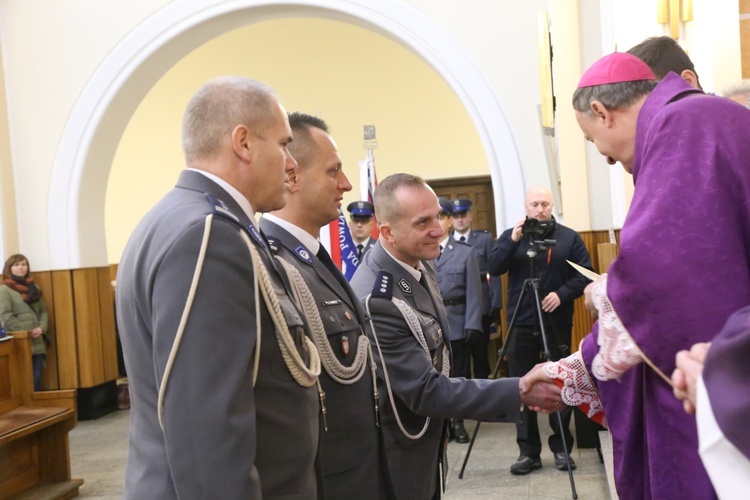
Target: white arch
x,y
100,115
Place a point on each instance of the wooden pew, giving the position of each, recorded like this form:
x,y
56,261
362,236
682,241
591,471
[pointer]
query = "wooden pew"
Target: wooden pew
x,y
34,426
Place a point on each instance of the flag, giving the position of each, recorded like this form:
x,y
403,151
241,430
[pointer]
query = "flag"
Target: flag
x,y
368,181
337,238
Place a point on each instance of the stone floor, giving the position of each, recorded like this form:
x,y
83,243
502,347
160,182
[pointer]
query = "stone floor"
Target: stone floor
x,y
99,451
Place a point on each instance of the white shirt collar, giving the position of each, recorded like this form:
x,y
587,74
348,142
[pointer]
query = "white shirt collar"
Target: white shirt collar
x,y
444,243
232,191
416,273
303,236
364,243
457,235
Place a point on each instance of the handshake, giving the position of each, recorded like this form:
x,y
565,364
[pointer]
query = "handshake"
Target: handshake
x,y
539,392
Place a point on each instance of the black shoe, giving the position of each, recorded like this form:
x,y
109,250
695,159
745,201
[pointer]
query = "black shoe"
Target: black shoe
x,y
524,465
459,432
561,463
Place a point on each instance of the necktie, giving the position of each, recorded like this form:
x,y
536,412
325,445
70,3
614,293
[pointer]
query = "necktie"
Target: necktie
x,y
328,262
462,239
441,253
360,250
423,280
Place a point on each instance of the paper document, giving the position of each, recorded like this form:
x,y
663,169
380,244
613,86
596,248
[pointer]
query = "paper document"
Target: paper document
x,y
589,274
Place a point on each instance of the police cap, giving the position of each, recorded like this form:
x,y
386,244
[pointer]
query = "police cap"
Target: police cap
x,y
361,210
461,205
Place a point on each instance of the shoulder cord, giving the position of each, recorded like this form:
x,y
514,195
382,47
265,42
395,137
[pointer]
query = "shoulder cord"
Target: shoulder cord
x,y
183,319
304,375
342,374
416,329
276,314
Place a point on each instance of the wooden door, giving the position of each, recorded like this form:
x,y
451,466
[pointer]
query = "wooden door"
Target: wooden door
x,y
476,189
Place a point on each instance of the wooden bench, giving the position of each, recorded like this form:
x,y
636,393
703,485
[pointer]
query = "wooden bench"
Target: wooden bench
x,y
34,426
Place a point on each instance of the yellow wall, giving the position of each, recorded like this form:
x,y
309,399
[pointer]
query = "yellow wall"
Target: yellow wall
x,y
349,75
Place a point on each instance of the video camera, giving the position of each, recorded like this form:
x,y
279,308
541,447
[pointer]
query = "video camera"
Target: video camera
x,y
534,231
532,227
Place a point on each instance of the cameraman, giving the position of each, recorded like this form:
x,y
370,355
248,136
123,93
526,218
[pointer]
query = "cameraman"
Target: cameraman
x,y
560,285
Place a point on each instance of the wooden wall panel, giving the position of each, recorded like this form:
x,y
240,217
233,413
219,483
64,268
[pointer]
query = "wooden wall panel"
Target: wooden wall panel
x,y
88,327
745,47
50,380
65,329
107,329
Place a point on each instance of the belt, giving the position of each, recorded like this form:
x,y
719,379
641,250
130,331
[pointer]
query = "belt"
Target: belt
x,y
454,302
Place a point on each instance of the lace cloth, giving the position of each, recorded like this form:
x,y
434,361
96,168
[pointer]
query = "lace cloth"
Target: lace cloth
x,y
617,350
617,354
576,388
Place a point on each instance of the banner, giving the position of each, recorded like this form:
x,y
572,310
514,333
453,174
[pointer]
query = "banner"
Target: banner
x,y
337,238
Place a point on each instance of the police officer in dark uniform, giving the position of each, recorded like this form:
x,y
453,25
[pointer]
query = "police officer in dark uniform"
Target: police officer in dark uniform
x,y
458,276
361,220
482,242
351,456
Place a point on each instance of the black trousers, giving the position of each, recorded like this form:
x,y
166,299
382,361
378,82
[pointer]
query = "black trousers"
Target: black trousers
x,y
525,350
478,356
460,366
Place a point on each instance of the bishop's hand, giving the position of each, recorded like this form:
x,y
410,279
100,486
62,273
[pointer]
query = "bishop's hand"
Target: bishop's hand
x,y
539,392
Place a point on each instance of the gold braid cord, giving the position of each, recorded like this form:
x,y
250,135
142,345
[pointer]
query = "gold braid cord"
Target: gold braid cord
x,y
346,375
304,375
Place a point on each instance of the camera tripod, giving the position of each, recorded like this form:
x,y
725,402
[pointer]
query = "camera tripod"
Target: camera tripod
x,y
532,284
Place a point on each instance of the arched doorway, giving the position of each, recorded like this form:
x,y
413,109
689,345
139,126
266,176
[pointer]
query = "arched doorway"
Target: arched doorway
x,y
90,138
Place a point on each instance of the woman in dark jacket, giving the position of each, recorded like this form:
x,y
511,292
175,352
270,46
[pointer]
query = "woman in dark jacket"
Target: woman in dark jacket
x,y
22,308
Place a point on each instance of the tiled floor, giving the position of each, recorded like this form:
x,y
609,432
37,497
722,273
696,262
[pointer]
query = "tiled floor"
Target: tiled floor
x,y
99,451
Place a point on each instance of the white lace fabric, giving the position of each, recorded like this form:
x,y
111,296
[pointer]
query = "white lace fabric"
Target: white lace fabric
x,y
577,388
618,351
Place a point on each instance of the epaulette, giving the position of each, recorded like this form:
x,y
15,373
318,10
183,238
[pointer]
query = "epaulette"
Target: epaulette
x,y
273,244
218,207
383,286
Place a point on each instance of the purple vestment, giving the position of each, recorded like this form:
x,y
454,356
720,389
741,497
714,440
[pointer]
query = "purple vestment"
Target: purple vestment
x,y
727,378
682,270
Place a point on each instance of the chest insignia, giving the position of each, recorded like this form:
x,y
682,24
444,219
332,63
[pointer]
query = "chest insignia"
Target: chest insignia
x,y
345,344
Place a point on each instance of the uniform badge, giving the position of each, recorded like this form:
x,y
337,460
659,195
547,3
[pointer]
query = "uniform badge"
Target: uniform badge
x,y
405,285
345,344
256,235
436,336
303,253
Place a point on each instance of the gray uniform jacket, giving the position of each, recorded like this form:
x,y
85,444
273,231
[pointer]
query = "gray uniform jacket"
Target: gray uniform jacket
x,y
420,390
458,276
351,453
492,297
222,437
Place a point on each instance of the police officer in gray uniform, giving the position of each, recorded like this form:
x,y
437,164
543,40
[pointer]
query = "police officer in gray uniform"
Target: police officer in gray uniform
x,y
398,287
458,276
492,300
361,220
352,455
215,409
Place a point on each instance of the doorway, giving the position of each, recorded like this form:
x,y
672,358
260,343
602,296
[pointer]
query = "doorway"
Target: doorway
x,y
479,191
